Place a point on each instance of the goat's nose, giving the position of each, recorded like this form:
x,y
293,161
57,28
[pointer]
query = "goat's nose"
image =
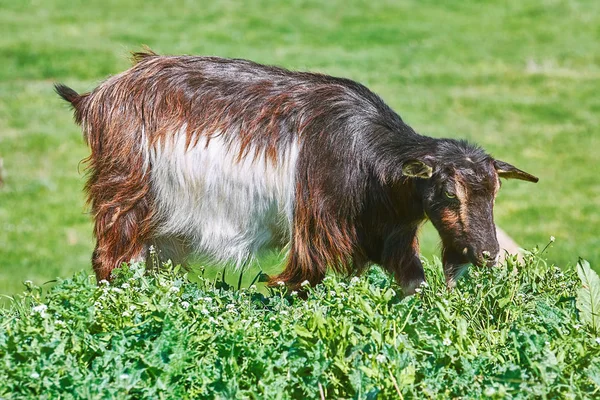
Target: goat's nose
x,y
490,258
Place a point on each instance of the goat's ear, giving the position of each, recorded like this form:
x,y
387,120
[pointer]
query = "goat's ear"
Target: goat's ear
x,y
417,169
505,170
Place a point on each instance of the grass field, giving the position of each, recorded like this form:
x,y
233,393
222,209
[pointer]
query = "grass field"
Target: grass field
x,y
520,78
525,331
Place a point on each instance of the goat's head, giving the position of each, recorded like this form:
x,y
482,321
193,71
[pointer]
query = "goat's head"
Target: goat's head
x,y
459,183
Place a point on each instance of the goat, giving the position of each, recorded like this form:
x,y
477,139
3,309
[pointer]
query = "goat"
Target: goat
x,y
224,157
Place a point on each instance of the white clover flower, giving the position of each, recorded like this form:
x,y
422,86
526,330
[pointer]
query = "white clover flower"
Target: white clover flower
x,y
418,290
355,280
117,290
212,320
124,376
104,282
552,239
256,325
60,322
28,283
380,358
126,314
40,309
185,305
174,289
305,283
272,318
205,311
125,285
294,293
447,342
424,284
280,283
34,375
230,306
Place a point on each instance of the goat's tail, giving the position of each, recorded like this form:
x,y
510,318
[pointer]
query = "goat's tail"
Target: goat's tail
x,y
67,93
75,99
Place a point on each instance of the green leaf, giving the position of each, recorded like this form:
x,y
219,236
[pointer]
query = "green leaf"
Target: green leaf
x,y
504,302
593,373
588,296
303,332
262,277
370,372
407,375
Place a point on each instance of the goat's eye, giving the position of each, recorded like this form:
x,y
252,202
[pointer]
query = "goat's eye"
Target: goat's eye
x,y
450,195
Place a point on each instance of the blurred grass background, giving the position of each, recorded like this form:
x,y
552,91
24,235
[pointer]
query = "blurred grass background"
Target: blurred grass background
x,y
519,78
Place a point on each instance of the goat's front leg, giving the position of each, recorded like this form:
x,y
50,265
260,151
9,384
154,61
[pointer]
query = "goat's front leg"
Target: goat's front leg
x,y
401,258
455,264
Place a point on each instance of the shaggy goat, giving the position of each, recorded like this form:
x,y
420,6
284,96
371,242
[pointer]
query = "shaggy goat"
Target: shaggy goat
x,y
222,157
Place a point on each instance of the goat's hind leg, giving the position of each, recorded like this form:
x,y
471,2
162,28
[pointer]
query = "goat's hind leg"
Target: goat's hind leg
x,y
121,232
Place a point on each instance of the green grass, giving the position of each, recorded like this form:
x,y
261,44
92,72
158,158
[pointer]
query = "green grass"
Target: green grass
x,y
520,78
519,331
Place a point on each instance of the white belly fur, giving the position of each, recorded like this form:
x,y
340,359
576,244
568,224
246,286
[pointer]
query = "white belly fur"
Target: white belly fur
x,y
224,209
